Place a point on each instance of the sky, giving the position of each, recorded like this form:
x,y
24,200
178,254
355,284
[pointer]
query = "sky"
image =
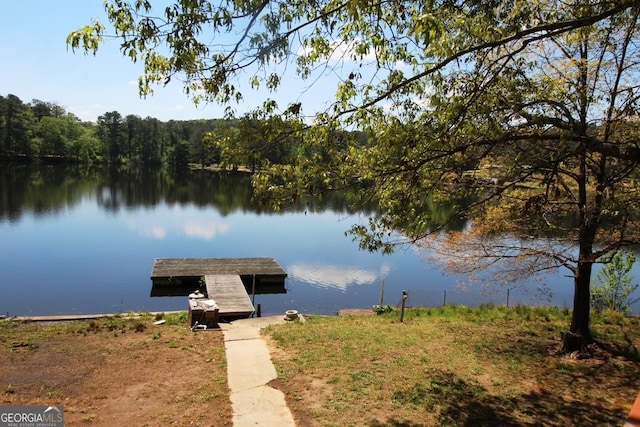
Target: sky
x,y
35,63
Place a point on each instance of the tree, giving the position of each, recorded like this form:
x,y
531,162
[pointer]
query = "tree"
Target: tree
x,y
133,126
230,145
50,137
42,109
614,289
525,110
238,144
178,155
152,141
85,146
111,132
16,120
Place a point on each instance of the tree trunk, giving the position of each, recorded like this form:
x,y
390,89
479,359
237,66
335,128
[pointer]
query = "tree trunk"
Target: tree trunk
x,y
579,335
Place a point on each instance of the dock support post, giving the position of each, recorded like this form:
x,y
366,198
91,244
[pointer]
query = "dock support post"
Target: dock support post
x,y
253,291
259,310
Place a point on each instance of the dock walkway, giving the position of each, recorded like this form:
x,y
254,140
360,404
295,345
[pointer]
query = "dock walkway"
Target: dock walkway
x,y
223,278
229,294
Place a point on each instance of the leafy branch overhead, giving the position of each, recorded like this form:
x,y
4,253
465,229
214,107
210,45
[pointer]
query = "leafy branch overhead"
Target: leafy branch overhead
x,y
521,115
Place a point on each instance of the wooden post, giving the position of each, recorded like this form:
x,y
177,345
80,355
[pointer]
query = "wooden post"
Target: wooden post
x,y
382,292
253,291
259,310
404,299
445,298
508,297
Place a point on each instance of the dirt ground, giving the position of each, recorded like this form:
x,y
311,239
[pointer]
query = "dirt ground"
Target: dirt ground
x,y
117,372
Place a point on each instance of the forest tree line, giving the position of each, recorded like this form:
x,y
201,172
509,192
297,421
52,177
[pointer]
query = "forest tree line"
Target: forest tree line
x,y
45,131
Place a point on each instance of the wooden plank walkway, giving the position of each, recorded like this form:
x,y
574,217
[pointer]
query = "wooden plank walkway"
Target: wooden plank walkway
x,y
223,278
229,294
168,268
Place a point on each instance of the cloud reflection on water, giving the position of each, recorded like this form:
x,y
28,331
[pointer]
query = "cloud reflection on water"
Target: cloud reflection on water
x,y
335,276
157,232
204,230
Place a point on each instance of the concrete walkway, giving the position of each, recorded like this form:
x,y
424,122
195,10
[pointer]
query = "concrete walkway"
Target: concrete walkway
x,y
249,370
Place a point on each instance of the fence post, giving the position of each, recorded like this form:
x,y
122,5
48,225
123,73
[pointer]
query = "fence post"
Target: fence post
x,y
404,299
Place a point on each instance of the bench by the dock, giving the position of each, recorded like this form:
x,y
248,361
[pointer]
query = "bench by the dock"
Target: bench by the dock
x,y
223,278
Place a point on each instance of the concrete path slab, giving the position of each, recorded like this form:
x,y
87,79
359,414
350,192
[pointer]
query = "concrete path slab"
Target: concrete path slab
x,y
249,370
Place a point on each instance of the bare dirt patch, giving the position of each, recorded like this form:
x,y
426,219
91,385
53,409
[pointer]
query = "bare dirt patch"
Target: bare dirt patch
x,y
117,372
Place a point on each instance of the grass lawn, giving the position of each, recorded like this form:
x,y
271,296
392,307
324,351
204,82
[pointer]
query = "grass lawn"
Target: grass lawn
x,y
456,366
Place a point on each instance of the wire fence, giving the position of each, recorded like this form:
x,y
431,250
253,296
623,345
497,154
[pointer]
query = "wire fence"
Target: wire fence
x,y
508,297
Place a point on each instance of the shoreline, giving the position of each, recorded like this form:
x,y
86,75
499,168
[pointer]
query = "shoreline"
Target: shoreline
x,y
71,317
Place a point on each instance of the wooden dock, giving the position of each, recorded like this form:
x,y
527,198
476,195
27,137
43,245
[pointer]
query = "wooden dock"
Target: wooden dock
x,y
229,294
174,269
224,279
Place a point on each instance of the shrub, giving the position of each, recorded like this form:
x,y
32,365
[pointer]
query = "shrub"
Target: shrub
x,y
615,288
382,309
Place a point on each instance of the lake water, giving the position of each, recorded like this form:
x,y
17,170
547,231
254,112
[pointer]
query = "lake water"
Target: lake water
x,y
77,240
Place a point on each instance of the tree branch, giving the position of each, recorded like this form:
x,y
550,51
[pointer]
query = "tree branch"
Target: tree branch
x,y
536,33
